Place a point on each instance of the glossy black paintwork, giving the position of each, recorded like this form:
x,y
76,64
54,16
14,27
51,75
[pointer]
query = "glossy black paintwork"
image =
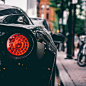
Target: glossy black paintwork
x,y
28,70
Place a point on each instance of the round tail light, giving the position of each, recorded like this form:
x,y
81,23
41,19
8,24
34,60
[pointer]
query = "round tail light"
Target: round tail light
x,y
17,44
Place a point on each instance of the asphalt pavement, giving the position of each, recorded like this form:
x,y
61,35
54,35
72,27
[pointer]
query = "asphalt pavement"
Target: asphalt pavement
x,y
70,74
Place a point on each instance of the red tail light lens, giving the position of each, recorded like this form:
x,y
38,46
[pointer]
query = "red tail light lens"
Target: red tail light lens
x,y
17,44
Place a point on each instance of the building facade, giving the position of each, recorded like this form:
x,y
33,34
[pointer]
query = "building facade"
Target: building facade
x,y
46,12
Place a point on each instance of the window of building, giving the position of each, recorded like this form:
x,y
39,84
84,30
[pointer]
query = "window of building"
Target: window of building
x,y
42,7
47,15
47,6
42,15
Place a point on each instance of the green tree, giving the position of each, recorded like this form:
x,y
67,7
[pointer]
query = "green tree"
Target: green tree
x,y
55,4
59,6
79,27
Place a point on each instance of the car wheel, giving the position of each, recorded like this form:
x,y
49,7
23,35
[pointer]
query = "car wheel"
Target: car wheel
x,y
81,60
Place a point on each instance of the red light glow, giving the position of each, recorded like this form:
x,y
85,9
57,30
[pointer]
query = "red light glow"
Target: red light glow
x,y
17,44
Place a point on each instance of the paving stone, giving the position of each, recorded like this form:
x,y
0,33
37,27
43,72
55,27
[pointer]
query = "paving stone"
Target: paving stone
x,y
76,73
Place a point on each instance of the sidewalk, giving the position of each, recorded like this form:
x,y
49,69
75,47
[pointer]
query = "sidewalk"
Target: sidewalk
x,y
70,73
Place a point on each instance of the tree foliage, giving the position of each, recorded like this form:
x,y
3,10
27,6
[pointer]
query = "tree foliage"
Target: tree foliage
x,y
59,6
79,27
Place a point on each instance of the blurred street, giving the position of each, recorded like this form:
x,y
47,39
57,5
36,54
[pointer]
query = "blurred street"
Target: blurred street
x,y
63,25
70,73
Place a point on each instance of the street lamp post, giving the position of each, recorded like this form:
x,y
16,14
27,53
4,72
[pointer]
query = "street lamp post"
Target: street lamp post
x,y
71,28
73,24
69,55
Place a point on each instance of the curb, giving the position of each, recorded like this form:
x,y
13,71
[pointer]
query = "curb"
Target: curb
x,y
63,75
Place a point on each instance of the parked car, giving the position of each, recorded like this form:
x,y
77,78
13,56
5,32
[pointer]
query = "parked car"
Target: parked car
x,y
41,22
58,38
27,51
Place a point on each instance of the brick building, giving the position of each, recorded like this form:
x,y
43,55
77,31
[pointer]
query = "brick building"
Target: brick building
x,y
45,12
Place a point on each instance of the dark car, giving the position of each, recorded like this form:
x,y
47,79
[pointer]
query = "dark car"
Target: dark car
x,y
58,38
41,22
27,51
